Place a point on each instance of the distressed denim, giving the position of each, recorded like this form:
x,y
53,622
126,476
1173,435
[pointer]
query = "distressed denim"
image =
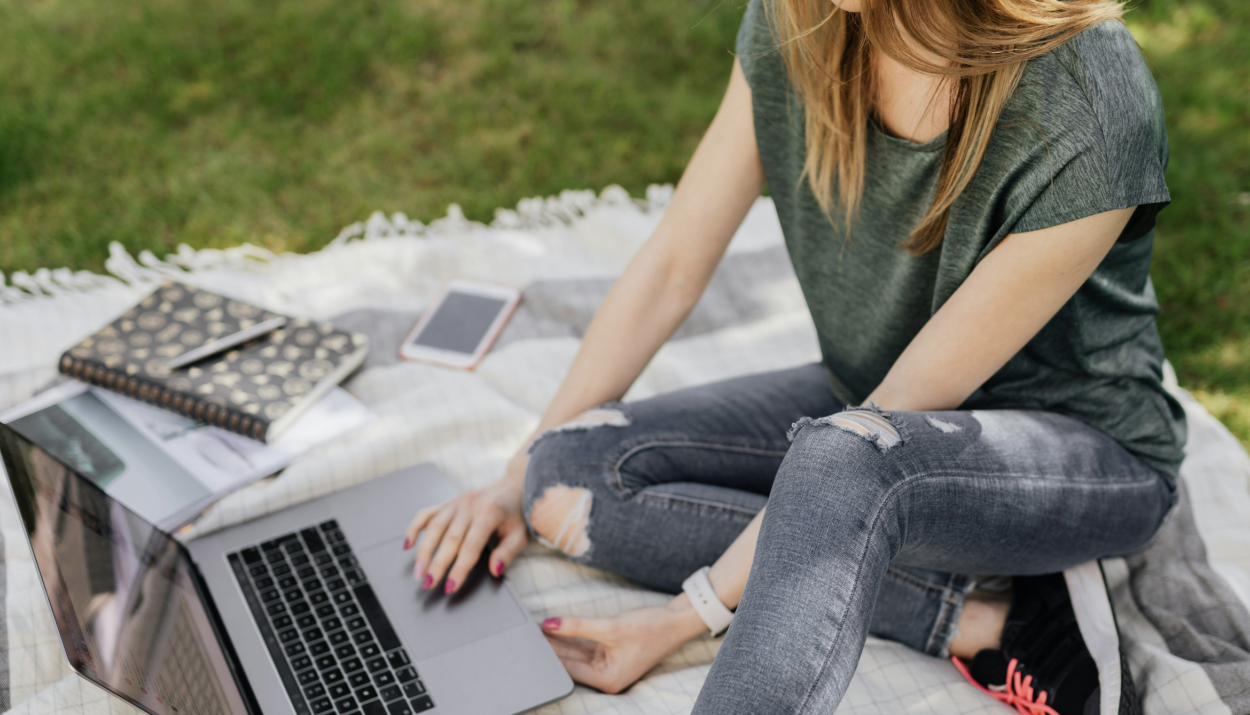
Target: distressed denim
x,y
875,521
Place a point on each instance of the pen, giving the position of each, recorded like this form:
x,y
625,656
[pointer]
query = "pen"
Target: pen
x,y
226,342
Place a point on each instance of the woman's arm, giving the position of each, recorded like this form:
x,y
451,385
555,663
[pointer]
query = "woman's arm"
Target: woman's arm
x,y
1007,299
646,304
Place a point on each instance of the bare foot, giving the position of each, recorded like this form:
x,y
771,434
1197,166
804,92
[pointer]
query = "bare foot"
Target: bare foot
x,y
981,623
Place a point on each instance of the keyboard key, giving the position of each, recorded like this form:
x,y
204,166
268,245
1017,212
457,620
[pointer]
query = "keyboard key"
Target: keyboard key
x,y
332,676
367,693
345,651
330,571
370,650
318,596
358,679
391,693
275,557
399,707
345,705
422,704
299,559
282,622
286,582
270,595
362,637
376,664
321,706
340,690
300,608
347,562
341,550
373,707
312,634
353,664
354,576
281,570
308,677
294,547
350,609
326,661
377,617
329,525
332,624
288,635
325,611
409,673
295,649
258,570
306,572
414,688
386,677
264,584
319,648
276,608
251,555
314,584
335,536
398,659
355,624
323,559
294,594
301,662
339,638
343,597
335,584
306,621
314,691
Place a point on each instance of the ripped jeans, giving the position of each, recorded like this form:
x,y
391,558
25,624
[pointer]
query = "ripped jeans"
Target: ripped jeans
x,y
874,524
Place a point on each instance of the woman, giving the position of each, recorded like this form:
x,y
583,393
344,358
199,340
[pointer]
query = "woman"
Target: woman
x,y
968,190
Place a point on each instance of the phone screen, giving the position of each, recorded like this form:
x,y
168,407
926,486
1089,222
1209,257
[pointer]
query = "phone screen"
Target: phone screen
x,y
460,322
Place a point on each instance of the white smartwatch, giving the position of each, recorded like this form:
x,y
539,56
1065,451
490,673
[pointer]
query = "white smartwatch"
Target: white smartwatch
x,y
706,603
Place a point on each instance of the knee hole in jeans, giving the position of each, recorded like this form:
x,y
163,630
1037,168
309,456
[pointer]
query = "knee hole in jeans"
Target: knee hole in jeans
x,y
868,423
561,517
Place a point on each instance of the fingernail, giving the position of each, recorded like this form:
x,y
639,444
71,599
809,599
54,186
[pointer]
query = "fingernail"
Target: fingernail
x,y
450,586
407,544
417,571
552,624
427,582
498,568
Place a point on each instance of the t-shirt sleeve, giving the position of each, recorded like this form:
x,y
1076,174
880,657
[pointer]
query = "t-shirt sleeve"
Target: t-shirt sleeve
x,y
1115,151
754,38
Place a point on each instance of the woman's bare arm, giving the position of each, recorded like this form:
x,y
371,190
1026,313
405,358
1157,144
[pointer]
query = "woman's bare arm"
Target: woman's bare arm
x,y
646,304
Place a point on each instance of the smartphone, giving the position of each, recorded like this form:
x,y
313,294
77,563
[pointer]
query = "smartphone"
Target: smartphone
x,y
461,326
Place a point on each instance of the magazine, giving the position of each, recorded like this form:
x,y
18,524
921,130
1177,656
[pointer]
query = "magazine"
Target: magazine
x,y
162,465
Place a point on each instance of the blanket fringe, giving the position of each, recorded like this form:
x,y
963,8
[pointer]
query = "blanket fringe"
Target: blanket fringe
x,y
536,212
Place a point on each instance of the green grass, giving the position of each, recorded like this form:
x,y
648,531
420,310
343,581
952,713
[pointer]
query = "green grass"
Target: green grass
x,y
159,122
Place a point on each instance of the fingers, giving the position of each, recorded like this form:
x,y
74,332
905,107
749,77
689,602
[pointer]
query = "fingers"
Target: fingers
x,y
448,547
599,630
434,529
482,526
417,524
572,649
513,541
588,673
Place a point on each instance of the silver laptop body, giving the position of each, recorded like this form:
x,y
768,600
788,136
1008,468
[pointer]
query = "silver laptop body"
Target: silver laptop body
x,y
235,622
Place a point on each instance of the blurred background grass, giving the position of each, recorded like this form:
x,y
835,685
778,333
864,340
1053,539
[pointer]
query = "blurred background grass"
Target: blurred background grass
x,y
158,122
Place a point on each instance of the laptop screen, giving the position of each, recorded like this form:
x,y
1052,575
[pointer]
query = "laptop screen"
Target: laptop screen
x,y
122,592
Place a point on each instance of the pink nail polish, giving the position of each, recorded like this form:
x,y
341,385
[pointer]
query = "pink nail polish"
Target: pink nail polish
x,y
407,544
499,568
427,582
552,624
449,587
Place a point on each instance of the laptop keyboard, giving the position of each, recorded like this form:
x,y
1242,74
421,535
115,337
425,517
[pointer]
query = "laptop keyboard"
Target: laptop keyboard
x,y
333,646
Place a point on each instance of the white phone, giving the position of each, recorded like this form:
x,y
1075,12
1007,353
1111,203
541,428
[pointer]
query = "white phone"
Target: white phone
x,y
461,326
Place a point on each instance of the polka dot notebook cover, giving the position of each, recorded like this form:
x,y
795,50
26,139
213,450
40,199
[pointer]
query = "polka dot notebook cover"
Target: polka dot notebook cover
x,y
256,389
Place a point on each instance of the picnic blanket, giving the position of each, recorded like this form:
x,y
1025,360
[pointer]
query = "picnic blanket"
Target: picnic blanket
x,y
1181,602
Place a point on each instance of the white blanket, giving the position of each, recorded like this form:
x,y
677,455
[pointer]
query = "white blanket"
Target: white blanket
x,y
564,251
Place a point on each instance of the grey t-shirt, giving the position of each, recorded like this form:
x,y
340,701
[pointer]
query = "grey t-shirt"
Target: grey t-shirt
x,y
1082,134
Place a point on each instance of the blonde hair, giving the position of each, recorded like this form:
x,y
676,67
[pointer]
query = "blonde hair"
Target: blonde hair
x,y
982,45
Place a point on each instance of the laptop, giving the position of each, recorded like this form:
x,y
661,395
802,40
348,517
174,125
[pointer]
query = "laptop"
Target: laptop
x,y
309,611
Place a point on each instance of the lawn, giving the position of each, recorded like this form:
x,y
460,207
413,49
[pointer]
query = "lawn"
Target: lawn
x,y
159,122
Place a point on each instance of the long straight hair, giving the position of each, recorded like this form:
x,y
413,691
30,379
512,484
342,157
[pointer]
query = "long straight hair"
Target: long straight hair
x,y
981,46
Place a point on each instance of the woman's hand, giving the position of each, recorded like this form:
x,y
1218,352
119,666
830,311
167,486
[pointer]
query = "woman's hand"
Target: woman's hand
x,y
612,653
457,530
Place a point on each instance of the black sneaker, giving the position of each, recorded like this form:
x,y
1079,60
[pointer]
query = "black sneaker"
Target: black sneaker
x,y
1042,666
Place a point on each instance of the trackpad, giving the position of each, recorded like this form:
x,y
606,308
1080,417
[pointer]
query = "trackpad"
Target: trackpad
x,y
431,622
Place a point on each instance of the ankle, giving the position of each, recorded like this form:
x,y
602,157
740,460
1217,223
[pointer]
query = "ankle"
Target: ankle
x,y
980,623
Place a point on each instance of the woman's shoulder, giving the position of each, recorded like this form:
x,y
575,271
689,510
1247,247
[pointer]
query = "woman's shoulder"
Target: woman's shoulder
x,y
1097,83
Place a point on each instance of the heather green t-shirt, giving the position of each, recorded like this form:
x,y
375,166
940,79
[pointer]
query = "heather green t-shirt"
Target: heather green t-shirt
x,y
1082,134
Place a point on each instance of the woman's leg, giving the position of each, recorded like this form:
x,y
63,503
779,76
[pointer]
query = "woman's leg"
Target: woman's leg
x,y
991,492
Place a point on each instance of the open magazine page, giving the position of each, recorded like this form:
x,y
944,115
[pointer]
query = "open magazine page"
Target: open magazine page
x,y
166,467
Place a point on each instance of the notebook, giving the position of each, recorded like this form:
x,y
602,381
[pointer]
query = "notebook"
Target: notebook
x,y
257,389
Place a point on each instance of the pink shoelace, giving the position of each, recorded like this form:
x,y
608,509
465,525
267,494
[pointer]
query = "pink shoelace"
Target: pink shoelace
x,y
1017,693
